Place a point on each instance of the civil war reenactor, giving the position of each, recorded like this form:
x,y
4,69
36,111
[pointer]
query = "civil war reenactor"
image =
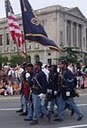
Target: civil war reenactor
x,y
28,91
53,91
67,93
39,90
22,99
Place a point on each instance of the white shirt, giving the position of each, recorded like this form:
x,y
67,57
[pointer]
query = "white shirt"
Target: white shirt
x,y
46,71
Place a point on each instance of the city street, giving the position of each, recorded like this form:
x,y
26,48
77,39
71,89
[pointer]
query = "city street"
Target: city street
x,y
10,119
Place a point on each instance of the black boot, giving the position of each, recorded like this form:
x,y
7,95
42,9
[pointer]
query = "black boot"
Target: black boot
x,y
33,122
20,110
80,118
72,112
23,114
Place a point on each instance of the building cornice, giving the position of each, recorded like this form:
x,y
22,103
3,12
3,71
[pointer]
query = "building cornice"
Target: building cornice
x,y
47,10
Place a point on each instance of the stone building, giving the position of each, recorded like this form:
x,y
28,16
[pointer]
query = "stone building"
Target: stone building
x,y
67,27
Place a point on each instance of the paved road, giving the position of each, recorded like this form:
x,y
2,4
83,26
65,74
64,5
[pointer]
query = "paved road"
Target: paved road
x,y
10,119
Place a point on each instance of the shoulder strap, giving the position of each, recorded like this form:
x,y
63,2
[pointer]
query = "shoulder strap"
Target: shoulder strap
x,y
35,78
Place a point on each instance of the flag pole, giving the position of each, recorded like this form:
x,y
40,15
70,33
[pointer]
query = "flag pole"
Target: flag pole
x,y
14,28
17,49
26,57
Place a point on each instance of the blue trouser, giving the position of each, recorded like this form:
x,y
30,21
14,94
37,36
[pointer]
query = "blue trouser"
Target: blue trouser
x,y
62,104
24,104
21,101
30,111
37,107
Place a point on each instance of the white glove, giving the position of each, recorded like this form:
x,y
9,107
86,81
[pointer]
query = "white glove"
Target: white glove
x,y
41,95
27,75
67,93
55,92
48,90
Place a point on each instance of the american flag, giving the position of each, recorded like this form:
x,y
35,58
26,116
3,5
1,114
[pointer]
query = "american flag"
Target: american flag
x,y
14,28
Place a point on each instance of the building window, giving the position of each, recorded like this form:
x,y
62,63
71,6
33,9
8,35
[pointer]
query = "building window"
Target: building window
x,y
49,54
0,40
7,37
29,47
14,48
61,38
49,61
29,59
37,58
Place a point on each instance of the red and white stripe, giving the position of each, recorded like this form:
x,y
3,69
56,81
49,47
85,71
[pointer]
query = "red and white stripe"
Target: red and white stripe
x,y
15,32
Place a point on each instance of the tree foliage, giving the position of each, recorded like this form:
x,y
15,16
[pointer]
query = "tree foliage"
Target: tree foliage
x,y
71,54
14,60
3,60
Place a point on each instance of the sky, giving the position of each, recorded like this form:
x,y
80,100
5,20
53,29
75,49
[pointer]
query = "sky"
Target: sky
x,y
38,4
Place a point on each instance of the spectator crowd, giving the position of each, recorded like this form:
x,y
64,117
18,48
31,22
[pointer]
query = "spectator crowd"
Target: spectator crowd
x,y
43,88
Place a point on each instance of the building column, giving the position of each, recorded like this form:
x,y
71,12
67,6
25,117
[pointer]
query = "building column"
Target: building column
x,y
83,37
65,43
71,34
77,36
4,39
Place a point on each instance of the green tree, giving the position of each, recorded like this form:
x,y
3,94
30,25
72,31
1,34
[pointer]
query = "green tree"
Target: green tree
x,y
70,54
5,60
16,60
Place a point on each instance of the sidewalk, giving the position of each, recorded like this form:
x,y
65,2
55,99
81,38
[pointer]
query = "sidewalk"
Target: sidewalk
x,y
10,97
82,91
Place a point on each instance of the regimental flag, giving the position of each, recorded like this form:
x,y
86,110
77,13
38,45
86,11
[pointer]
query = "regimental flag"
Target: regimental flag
x,y
33,30
14,29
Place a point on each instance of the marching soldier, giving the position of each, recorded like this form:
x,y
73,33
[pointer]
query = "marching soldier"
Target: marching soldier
x,y
39,90
67,93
